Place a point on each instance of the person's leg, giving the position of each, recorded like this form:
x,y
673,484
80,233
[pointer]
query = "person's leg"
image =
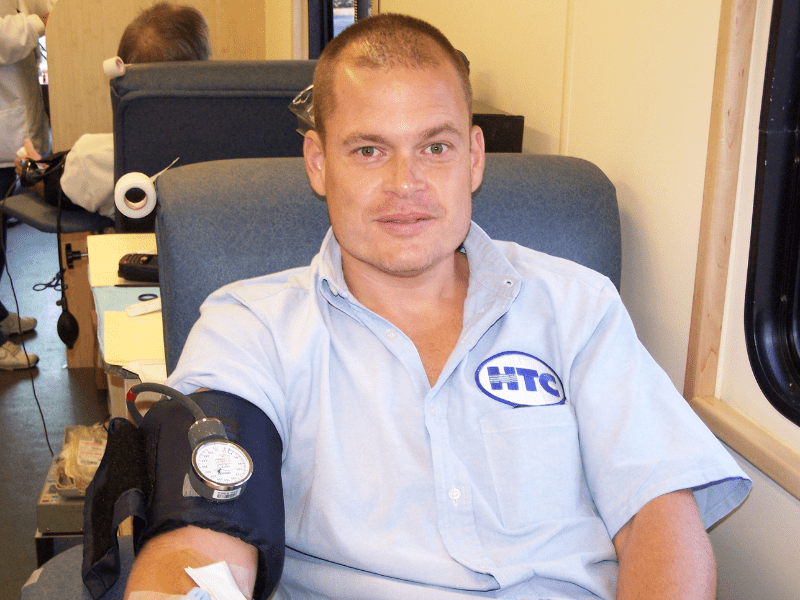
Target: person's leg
x,y
16,325
12,357
7,178
13,324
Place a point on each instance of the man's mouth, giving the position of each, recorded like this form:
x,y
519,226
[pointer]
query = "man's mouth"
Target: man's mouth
x,y
404,221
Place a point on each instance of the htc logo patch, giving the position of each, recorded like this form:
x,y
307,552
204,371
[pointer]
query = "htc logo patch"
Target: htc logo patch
x,y
519,379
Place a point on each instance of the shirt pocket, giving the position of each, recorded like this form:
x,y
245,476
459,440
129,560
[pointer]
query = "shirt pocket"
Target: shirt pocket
x,y
534,455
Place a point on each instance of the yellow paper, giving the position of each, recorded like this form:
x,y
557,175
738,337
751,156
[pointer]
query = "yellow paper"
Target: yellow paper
x,y
126,339
105,251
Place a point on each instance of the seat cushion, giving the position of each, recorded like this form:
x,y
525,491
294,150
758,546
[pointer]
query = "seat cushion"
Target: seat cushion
x,y
60,577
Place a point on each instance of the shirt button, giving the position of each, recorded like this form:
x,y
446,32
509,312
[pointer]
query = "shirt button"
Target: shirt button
x,y
391,334
454,494
432,411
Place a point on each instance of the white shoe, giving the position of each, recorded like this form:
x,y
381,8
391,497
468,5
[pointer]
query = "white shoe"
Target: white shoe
x,y
14,324
12,358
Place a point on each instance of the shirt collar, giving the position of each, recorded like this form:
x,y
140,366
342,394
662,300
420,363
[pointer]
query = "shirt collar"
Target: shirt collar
x,y
489,267
331,274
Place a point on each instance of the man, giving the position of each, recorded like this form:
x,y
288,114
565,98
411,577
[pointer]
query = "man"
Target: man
x,y
22,115
161,33
22,23
402,476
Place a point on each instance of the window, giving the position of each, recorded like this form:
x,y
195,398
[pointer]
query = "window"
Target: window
x,y
328,18
772,298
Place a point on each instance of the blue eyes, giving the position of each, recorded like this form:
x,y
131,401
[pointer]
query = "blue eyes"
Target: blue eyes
x,y
371,151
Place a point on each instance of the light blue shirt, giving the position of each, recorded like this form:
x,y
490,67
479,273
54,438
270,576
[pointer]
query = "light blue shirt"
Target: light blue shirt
x,y
549,427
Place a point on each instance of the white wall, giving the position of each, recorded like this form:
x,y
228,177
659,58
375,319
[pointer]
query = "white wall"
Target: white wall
x,y
757,546
516,50
640,108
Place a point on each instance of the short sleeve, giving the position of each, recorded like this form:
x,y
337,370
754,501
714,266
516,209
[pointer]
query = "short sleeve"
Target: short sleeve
x,y
639,438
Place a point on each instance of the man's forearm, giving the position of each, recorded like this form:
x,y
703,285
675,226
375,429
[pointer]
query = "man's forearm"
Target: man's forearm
x,y
160,566
664,552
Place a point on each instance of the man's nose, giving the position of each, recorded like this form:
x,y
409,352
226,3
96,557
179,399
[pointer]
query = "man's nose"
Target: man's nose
x,y
405,175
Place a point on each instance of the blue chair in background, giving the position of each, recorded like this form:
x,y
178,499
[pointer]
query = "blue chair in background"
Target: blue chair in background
x,y
203,111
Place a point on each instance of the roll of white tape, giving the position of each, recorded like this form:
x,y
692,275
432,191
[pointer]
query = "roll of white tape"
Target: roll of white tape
x,y
128,195
135,193
113,67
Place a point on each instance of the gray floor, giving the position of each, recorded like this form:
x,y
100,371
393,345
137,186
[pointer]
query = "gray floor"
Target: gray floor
x,y
66,397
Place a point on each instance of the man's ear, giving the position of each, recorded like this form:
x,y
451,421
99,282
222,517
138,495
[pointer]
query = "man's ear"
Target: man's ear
x,y
314,156
477,150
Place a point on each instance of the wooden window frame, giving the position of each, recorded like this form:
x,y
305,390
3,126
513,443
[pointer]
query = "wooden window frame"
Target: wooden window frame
x,y
774,458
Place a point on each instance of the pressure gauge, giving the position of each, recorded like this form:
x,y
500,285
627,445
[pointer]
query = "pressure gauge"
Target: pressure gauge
x,y
220,469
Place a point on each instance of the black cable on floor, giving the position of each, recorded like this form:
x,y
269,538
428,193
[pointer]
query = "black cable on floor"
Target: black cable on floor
x,y
16,305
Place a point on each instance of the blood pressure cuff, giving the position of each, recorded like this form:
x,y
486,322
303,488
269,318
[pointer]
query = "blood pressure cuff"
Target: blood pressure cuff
x,y
119,490
162,499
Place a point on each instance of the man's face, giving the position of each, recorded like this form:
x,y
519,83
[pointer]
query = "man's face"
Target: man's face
x,y
398,168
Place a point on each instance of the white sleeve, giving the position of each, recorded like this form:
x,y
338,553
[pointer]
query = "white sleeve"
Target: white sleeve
x,y
639,438
19,36
38,7
88,178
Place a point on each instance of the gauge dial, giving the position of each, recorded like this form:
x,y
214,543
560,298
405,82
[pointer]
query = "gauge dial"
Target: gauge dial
x,y
222,468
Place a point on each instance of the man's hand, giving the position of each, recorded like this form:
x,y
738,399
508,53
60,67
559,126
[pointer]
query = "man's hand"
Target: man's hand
x,y
664,552
31,155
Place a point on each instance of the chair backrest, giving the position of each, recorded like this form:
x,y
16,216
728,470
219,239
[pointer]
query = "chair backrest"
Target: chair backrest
x,y
203,111
223,221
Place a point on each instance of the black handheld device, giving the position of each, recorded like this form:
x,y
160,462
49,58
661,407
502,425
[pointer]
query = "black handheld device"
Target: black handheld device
x,y
139,267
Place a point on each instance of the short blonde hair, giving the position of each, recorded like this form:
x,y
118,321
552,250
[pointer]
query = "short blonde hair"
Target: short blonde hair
x,y
383,41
